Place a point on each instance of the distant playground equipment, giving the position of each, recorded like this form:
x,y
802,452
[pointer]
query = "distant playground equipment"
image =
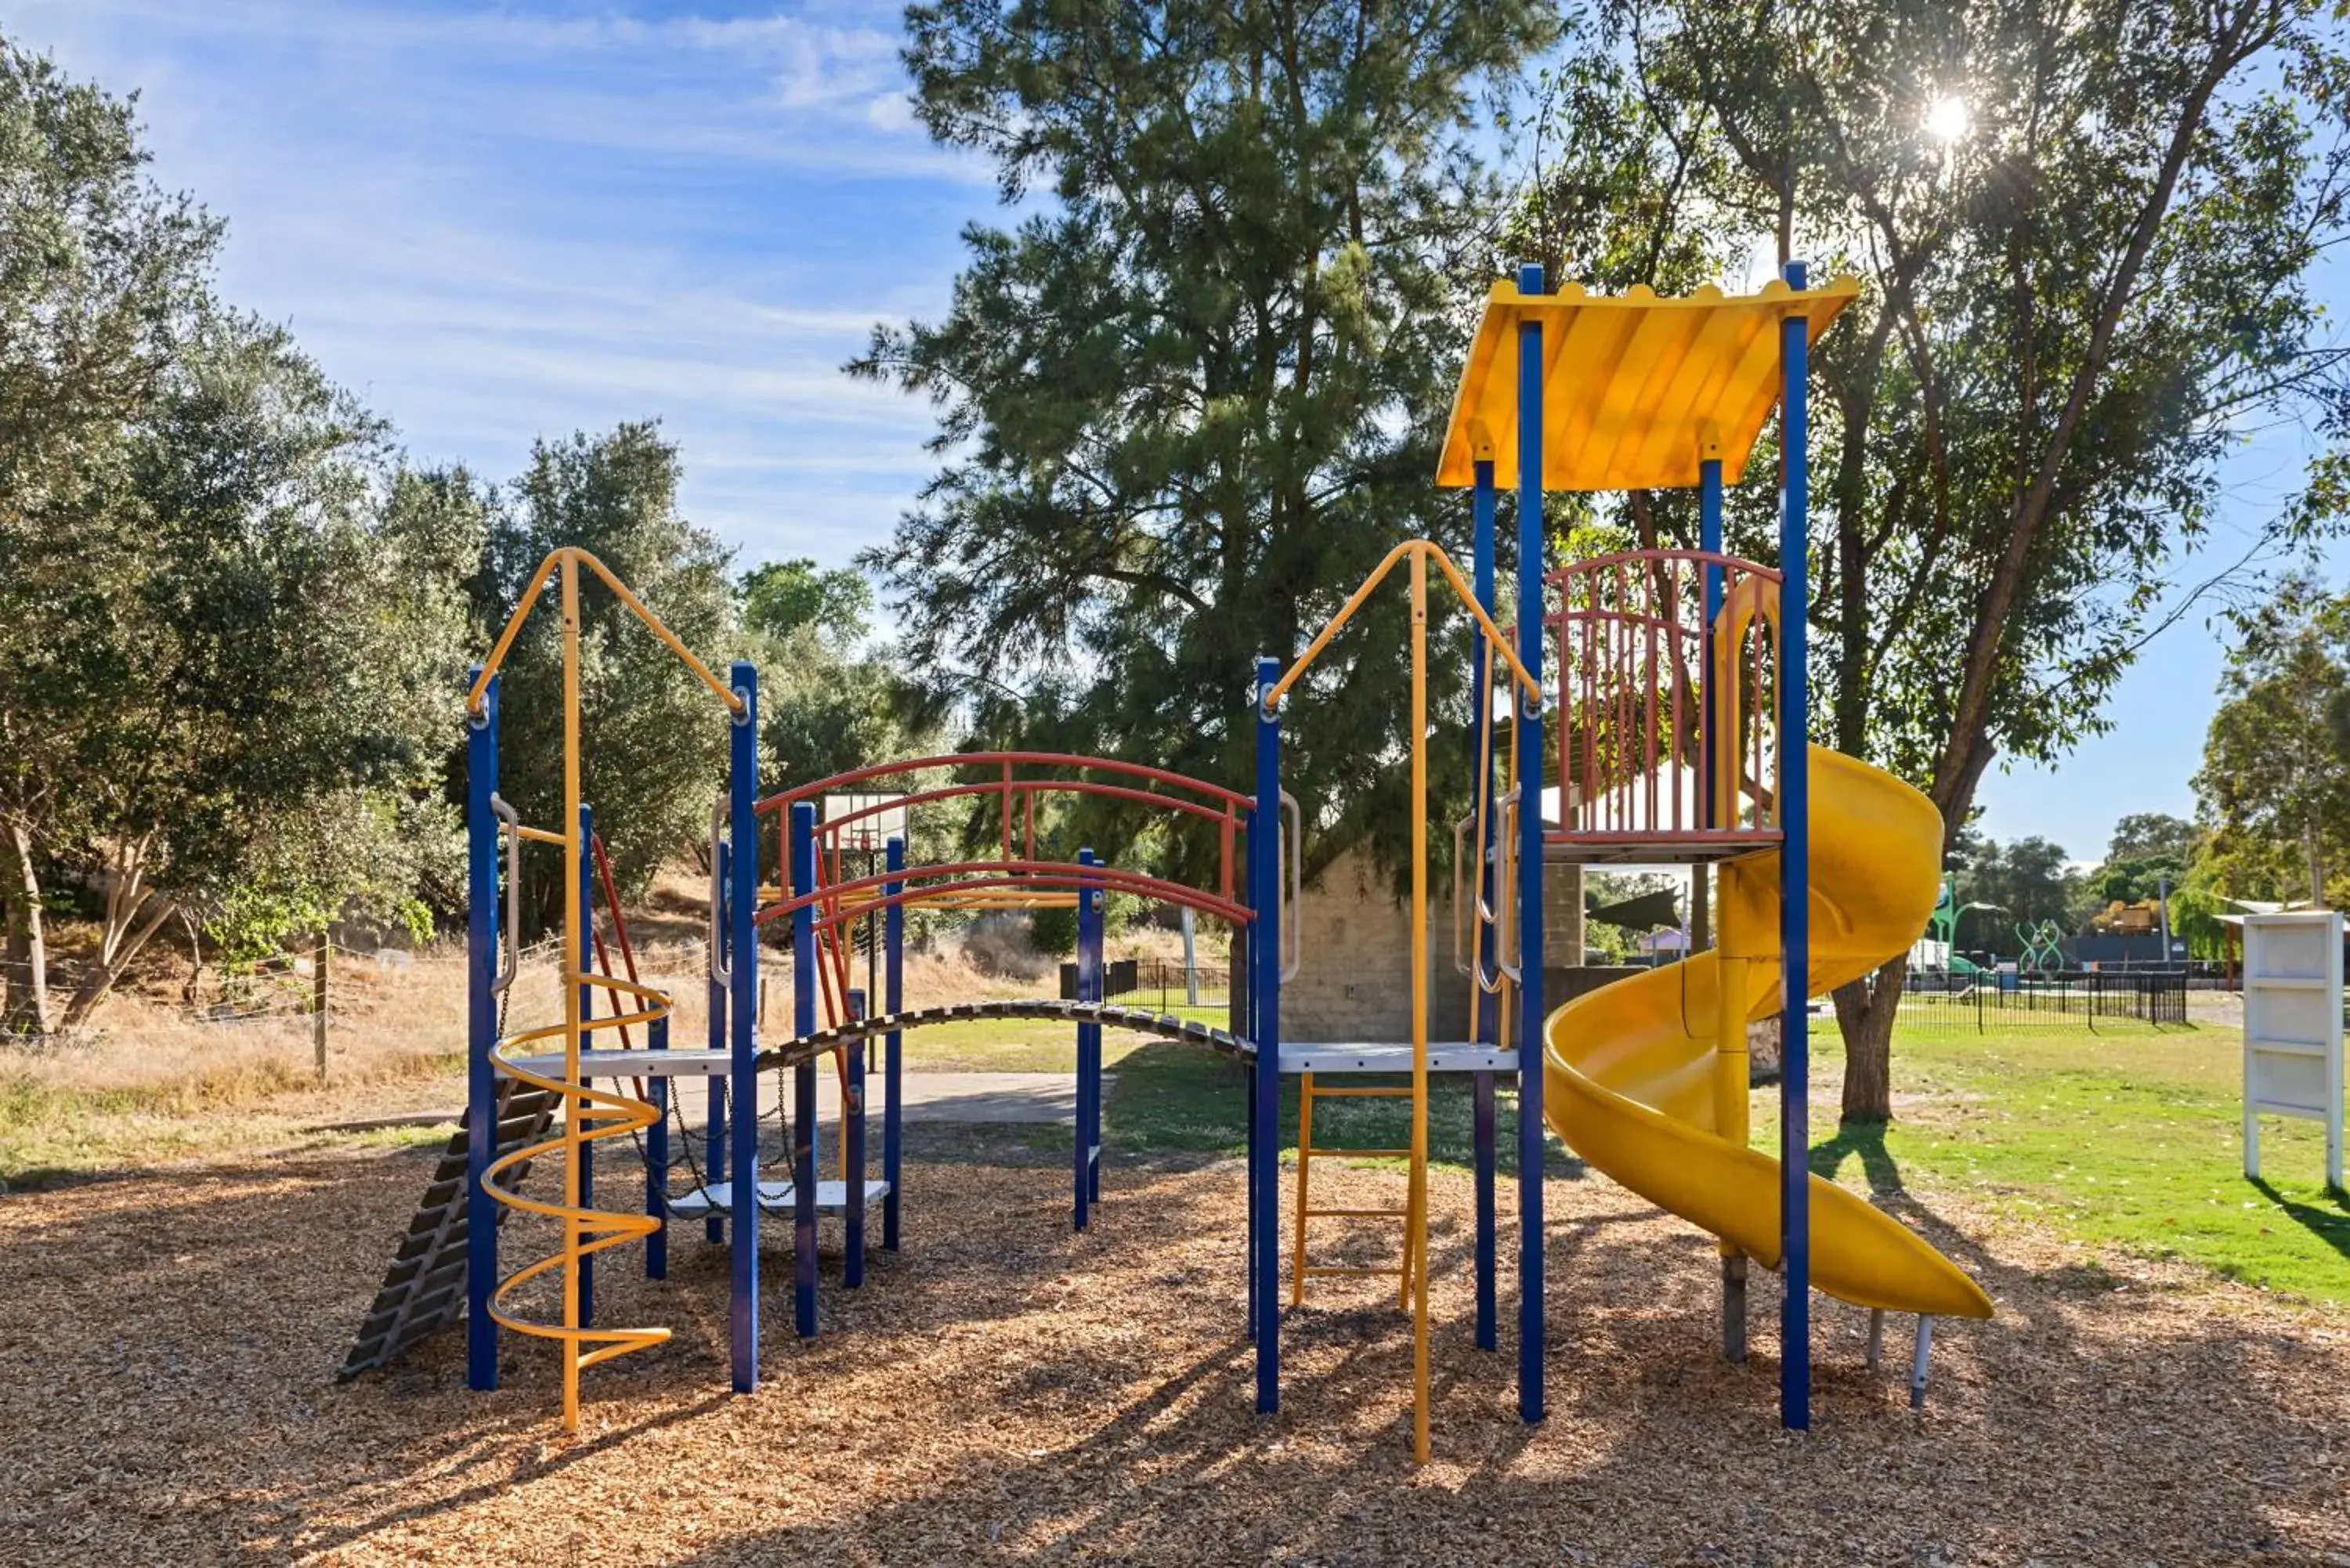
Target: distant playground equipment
x,y
2292,1028
1939,948
2039,947
1674,746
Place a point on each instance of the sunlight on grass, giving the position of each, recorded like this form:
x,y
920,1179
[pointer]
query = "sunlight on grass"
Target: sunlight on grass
x,y
2129,1138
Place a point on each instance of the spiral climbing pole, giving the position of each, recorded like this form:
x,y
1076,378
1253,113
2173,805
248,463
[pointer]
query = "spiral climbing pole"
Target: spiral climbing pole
x,y
589,1114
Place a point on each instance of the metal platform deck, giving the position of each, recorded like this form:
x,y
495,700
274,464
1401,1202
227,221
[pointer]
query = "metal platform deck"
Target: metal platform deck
x,y
831,1198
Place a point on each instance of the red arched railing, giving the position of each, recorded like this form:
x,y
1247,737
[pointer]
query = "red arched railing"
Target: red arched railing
x,y
839,902
1641,666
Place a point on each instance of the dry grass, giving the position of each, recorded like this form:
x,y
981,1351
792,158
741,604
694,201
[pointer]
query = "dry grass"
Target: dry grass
x,y
152,1084
1004,1391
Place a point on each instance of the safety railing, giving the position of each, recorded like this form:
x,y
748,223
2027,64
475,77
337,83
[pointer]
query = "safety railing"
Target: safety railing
x,y
1667,677
1009,790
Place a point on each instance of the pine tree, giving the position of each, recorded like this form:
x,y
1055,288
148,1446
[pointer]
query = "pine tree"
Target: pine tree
x,y
1191,399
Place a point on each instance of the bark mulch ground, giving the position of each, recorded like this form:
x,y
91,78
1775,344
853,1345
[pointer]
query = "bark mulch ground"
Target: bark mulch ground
x,y
1005,1391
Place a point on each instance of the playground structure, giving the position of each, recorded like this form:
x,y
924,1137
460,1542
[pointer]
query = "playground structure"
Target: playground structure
x,y
1670,714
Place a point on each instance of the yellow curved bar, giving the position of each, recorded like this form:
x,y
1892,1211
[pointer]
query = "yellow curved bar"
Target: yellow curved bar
x,y
548,570
1418,550
1629,1070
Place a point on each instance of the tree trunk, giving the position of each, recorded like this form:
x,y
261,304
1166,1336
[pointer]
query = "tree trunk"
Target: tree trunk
x,y
1864,1013
120,947
2316,868
28,952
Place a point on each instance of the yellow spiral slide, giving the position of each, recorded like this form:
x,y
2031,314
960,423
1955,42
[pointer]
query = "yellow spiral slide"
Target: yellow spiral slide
x,y
1645,1078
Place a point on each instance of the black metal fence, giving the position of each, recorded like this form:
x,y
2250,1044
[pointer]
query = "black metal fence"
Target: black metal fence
x,y
1995,1003
1155,983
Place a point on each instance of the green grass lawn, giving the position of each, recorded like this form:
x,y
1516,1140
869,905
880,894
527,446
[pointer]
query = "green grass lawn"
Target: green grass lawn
x,y
2127,1137
1026,1044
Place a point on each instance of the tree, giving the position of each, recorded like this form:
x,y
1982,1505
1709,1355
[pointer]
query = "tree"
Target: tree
x,y
2152,835
781,597
653,744
100,274
2072,308
1191,400
2276,761
835,703
2028,878
221,659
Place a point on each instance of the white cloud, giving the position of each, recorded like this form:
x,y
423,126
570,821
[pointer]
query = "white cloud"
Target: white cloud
x,y
893,112
501,224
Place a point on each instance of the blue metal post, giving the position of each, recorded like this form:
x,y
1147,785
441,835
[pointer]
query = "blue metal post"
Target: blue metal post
x,y
1709,539
1487,1007
893,981
802,842
1794,873
657,1158
1264,951
1530,860
1247,1028
852,1268
743,1017
586,893
1089,989
714,1170
481,1035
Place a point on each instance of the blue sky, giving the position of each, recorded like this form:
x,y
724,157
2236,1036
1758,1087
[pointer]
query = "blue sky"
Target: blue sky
x,y
496,222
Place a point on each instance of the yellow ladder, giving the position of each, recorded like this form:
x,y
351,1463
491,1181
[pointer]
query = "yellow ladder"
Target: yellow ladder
x,y
1301,1270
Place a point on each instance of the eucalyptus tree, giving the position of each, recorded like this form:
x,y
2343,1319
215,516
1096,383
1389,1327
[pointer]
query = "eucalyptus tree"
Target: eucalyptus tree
x,y
2088,234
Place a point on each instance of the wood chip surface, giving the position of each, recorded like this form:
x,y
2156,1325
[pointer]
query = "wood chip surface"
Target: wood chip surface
x,y
1005,1391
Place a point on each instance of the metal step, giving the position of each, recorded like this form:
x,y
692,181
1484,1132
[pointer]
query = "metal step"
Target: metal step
x,y
424,1288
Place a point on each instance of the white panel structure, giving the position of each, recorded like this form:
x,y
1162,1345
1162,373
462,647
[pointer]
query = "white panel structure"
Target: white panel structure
x,y
871,831
2292,1027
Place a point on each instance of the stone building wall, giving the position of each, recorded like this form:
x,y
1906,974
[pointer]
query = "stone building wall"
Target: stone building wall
x,y
1354,980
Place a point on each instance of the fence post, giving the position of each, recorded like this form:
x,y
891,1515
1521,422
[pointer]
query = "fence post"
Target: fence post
x,y
318,1004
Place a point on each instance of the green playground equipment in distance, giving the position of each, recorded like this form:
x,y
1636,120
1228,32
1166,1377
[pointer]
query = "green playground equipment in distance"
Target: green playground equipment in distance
x,y
2041,953
1942,926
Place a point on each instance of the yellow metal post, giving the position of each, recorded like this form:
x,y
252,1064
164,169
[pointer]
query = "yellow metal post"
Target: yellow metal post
x,y
575,1103
1305,1164
1416,1223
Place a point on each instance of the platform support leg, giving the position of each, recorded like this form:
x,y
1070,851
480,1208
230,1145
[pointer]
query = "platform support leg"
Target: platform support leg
x,y
1795,876
802,842
1531,1309
1084,1188
1488,1159
586,958
1917,1362
1876,1340
656,1159
742,1023
1264,952
481,945
1733,1308
893,980
852,1267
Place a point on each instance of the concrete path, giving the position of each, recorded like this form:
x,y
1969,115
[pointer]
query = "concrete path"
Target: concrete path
x,y
1000,1098
996,1098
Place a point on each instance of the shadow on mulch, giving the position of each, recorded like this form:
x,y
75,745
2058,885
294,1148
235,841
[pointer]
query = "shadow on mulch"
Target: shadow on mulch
x,y
1005,1389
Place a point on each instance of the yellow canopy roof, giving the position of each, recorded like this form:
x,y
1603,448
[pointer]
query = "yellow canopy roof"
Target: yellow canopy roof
x,y
1633,385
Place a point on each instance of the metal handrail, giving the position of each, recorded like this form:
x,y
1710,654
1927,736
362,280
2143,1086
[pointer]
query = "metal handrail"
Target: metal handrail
x,y
721,970
509,940
1290,850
